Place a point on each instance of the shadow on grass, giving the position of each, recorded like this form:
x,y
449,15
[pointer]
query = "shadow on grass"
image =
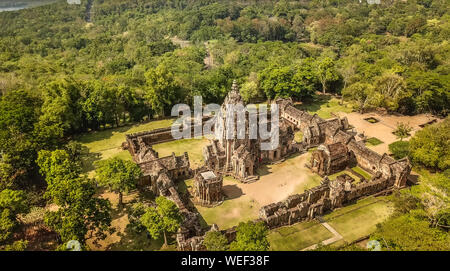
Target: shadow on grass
x,y
102,135
232,192
132,240
263,170
314,104
134,237
413,179
88,161
145,195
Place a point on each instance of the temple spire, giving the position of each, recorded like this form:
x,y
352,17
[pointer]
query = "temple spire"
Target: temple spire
x,y
235,87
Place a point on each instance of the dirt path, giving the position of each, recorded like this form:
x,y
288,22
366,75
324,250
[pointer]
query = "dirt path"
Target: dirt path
x,y
89,11
209,59
384,127
180,42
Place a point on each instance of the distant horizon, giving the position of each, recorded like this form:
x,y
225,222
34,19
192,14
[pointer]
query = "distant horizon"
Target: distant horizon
x,y
23,4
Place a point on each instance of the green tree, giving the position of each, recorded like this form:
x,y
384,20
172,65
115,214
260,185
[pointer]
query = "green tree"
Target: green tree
x,y
402,130
410,232
215,241
79,210
287,81
12,203
399,149
18,114
119,175
77,152
249,91
20,245
326,72
430,146
7,225
404,202
162,220
305,78
250,236
61,106
277,82
361,93
162,91
430,90
56,165
393,89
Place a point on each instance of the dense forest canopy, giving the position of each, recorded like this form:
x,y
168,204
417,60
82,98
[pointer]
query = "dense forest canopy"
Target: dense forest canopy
x,y
69,69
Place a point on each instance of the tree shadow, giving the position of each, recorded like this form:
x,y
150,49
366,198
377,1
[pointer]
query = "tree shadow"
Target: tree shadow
x,y
145,195
413,179
263,170
88,160
102,135
314,104
232,192
132,240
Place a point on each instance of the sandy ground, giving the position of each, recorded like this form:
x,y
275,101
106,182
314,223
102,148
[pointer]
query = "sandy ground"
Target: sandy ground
x,y
384,128
278,182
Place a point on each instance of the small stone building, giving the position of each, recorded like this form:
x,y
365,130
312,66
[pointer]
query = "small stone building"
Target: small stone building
x,y
208,188
330,158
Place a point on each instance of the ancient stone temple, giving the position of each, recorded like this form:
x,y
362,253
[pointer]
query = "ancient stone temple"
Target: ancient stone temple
x,y
338,148
330,158
315,129
240,157
208,188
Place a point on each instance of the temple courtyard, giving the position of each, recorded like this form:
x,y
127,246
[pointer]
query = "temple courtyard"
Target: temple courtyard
x,y
243,201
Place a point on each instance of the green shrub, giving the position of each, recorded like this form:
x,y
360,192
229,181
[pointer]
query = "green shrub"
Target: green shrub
x,y
399,149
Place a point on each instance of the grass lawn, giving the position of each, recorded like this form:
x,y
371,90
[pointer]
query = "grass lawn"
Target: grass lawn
x,y
108,142
297,237
230,212
298,137
361,171
359,219
193,146
323,106
352,222
373,141
372,120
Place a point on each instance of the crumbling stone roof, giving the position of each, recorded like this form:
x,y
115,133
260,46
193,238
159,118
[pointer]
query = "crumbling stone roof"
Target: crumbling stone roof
x,y
342,137
336,149
171,162
330,127
359,149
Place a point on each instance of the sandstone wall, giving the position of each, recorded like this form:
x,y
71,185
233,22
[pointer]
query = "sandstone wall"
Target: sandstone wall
x,y
317,201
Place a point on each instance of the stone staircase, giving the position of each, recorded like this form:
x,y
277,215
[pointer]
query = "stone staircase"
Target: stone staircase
x,y
250,179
